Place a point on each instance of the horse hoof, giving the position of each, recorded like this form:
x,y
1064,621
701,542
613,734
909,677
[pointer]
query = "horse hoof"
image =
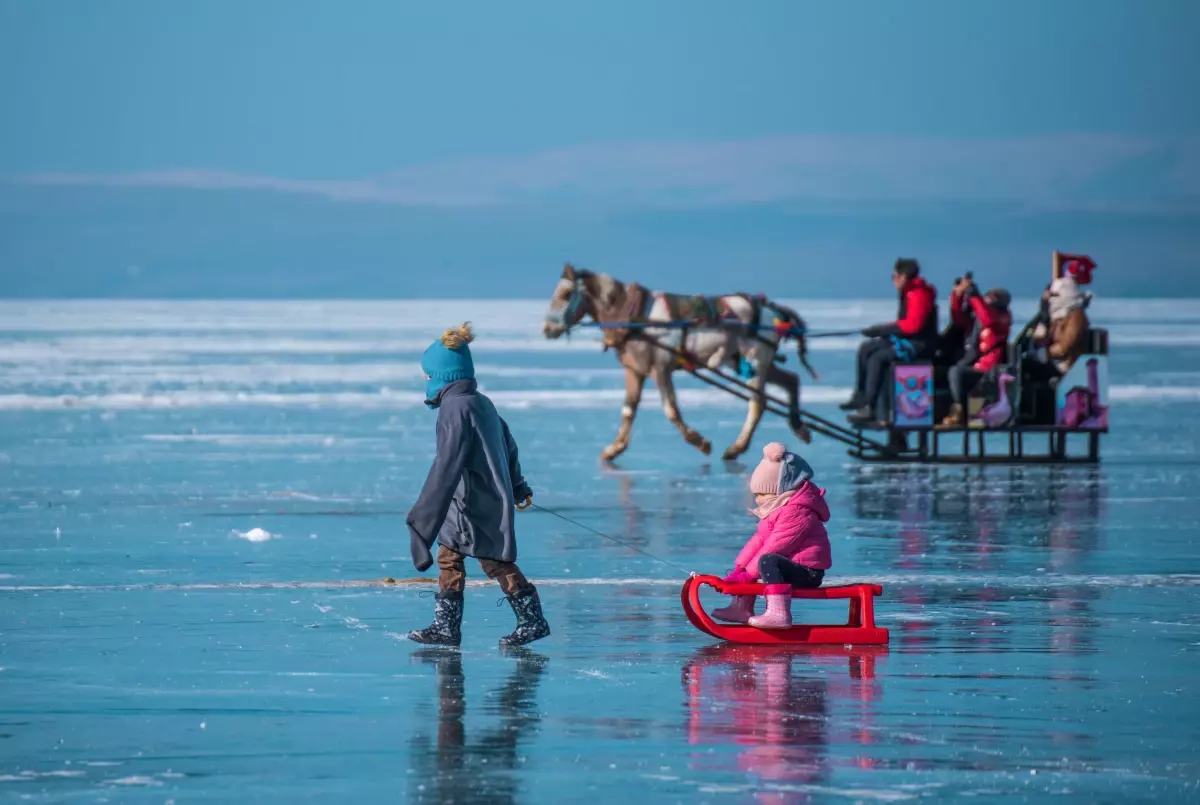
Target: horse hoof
x,y
799,429
705,447
732,453
609,453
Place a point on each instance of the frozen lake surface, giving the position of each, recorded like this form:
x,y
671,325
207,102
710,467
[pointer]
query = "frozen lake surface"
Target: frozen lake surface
x,y
200,500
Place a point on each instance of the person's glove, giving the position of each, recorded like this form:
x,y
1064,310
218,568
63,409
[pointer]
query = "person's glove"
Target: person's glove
x,y
738,576
524,497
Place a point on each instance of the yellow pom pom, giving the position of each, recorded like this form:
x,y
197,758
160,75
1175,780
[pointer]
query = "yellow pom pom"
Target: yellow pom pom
x,y
456,337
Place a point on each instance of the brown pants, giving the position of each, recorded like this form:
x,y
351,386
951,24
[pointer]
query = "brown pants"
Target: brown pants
x,y
452,572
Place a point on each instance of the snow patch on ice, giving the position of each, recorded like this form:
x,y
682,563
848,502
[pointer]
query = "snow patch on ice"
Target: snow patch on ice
x,y
137,780
256,535
594,673
29,776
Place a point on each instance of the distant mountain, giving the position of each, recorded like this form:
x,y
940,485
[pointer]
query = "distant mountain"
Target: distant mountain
x,y
105,242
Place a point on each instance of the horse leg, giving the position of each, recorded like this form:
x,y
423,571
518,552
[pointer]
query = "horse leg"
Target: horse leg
x,y
754,414
717,358
790,382
725,352
634,382
666,388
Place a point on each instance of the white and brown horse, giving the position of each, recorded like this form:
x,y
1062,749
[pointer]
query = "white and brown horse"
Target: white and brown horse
x,y
646,351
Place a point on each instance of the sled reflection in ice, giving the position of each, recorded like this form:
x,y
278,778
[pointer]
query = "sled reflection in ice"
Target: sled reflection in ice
x,y
774,704
447,770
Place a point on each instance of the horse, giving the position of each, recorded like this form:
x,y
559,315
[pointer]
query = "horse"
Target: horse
x,y
650,352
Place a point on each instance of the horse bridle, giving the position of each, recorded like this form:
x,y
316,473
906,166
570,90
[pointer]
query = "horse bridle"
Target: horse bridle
x,y
569,315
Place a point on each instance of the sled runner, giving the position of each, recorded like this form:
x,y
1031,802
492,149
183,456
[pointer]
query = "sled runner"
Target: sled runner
x,y
859,629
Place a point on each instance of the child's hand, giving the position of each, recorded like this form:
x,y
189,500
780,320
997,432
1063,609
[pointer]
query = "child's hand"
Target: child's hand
x,y
524,496
738,576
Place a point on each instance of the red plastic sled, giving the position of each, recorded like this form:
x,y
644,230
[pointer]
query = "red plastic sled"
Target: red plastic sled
x,y
859,629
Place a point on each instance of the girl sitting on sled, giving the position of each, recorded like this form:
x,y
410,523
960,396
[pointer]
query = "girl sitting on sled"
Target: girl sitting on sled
x,y
790,548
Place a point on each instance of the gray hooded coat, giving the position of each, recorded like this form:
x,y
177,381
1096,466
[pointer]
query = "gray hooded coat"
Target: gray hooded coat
x,y
469,499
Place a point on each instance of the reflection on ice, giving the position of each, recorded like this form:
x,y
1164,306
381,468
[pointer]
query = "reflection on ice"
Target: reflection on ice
x,y
773,706
999,521
476,769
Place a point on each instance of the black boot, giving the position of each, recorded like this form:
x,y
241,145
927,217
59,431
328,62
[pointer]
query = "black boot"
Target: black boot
x,y
852,403
531,623
446,629
862,415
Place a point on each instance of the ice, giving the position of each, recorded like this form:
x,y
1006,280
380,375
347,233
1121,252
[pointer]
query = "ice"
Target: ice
x,y
170,647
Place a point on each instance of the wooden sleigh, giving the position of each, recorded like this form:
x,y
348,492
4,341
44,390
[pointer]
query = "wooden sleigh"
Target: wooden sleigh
x,y
859,629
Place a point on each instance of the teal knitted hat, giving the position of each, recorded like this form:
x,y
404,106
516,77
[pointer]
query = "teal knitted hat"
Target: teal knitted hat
x,y
448,359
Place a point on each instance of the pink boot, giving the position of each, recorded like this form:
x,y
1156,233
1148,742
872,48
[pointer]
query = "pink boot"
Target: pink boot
x,y
779,608
740,611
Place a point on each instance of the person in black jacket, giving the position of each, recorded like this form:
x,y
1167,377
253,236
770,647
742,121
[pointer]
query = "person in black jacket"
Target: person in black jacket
x,y
912,335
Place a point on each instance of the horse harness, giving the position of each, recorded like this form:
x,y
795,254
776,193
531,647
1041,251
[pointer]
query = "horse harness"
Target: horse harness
x,y
703,312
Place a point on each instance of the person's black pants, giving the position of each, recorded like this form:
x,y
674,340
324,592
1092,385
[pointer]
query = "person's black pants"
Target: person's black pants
x,y
1041,372
874,357
776,569
962,379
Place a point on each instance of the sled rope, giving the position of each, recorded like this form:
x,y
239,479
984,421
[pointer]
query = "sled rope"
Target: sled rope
x,y
566,519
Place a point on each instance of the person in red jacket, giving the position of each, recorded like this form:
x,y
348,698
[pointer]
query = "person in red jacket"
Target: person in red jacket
x,y
958,337
987,347
914,334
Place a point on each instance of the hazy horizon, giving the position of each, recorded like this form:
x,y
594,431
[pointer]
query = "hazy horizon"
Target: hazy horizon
x,y
292,150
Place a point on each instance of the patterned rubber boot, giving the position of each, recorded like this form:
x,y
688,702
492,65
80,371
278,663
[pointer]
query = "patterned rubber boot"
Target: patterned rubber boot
x,y
779,608
446,629
531,623
740,610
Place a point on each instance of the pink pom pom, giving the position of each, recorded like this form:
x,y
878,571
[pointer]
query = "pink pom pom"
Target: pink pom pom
x,y
774,451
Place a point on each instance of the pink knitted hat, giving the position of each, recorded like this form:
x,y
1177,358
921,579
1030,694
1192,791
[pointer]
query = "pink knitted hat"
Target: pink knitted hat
x,y
779,472
765,480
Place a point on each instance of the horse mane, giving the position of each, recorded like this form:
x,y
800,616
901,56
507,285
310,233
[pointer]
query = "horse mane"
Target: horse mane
x,y
606,293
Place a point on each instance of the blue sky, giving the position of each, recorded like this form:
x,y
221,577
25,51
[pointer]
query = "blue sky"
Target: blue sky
x,y
406,149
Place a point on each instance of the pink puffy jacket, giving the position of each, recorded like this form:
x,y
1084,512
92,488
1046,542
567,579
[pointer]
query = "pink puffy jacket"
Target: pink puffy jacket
x,y
795,531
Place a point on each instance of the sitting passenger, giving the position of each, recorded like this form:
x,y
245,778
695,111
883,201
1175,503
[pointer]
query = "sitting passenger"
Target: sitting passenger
x,y
986,347
913,335
1063,328
953,344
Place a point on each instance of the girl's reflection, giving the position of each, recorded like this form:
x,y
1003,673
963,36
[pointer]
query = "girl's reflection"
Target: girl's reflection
x,y
753,697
